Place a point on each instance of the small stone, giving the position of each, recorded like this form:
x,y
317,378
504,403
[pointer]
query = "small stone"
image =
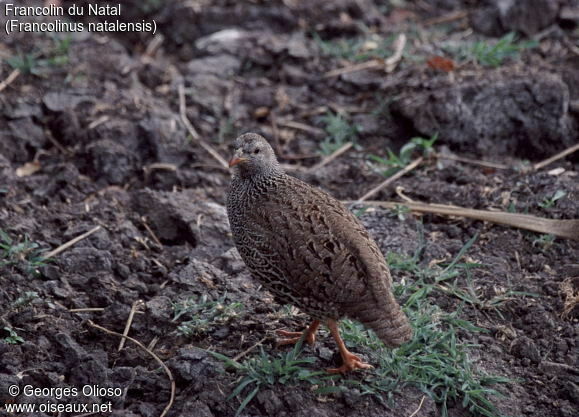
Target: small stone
x,y
524,348
270,402
160,307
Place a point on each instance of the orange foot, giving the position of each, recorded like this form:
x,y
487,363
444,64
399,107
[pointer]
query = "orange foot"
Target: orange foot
x,y
294,337
351,362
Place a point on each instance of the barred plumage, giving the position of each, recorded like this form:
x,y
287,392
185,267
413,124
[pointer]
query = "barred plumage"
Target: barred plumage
x,y
309,250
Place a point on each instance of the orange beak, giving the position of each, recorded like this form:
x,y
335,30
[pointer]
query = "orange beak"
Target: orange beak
x,y
235,160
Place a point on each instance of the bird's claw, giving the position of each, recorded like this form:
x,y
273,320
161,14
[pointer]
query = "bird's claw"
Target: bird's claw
x,y
292,338
349,366
351,363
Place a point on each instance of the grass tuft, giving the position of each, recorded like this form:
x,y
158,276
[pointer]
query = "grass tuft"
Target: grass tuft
x,y
12,338
25,299
25,255
339,131
355,49
38,63
202,315
266,370
395,163
549,202
493,54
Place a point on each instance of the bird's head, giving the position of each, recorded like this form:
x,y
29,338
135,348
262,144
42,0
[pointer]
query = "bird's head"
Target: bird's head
x,y
253,156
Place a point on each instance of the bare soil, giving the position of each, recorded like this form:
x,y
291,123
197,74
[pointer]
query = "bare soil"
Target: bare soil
x,y
99,117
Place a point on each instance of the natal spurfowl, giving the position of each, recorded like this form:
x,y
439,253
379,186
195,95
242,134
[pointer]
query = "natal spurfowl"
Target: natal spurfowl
x,y
306,248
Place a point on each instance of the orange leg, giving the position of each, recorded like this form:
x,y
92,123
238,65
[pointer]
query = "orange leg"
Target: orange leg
x,y
294,337
350,360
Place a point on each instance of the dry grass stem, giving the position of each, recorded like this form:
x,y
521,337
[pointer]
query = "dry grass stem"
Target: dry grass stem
x,y
391,179
159,361
568,229
246,351
193,132
150,231
446,18
70,243
301,126
399,45
11,77
136,305
388,64
86,310
419,407
556,157
472,161
342,149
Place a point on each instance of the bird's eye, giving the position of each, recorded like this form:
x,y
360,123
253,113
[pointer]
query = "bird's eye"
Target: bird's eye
x,y
255,152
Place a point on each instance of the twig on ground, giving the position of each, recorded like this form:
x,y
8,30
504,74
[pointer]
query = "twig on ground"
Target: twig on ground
x,y
246,351
556,157
342,149
56,143
154,45
389,180
193,132
446,18
301,126
399,191
159,166
562,228
86,310
388,64
98,122
153,343
136,305
391,62
70,243
372,64
419,407
11,77
150,352
472,161
150,231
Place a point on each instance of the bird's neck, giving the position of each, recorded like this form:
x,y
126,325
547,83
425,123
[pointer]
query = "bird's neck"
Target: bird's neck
x,y
261,175
261,181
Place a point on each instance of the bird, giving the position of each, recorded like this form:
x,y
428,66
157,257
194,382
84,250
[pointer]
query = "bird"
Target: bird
x,y
309,251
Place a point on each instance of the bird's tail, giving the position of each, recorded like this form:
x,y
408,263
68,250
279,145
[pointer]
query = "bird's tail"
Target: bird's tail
x,y
386,319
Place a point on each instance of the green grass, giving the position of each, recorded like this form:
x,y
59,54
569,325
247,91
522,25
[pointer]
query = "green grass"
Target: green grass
x,y
264,370
436,361
25,299
549,202
38,63
24,255
399,211
356,335
355,49
12,338
544,242
339,132
201,315
395,163
493,54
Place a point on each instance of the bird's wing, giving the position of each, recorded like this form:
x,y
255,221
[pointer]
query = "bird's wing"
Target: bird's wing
x,y
319,247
